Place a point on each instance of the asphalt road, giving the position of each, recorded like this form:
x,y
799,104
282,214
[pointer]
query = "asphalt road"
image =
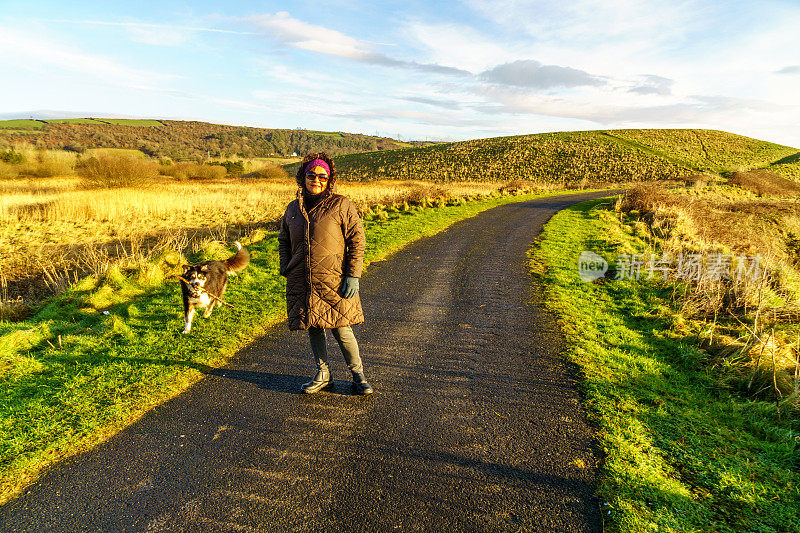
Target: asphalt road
x,y
475,425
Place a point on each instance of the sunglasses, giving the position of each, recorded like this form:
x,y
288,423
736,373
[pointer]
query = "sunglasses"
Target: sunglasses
x,y
320,177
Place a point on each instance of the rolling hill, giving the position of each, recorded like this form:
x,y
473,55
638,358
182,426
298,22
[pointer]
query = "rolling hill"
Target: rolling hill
x,y
596,156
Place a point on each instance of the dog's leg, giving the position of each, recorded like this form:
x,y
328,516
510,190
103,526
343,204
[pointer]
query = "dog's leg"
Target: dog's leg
x,y
188,320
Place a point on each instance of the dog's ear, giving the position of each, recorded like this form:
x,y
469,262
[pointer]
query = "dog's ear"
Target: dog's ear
x,y
204,268
186,268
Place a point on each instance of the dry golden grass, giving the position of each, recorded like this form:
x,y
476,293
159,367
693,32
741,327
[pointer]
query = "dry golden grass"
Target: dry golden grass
x,y
763,182
763,356
717,217
184,171
168,203
54,229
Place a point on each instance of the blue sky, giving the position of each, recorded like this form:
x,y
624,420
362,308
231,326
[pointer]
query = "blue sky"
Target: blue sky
x,y
414,69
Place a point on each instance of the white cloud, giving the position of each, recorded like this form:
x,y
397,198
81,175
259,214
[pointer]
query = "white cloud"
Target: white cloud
x,y
508,56
419,117
456,45
307,36
282,73
443,103
312,101
579,21
618,38
29,50
607,111
652,84
531,73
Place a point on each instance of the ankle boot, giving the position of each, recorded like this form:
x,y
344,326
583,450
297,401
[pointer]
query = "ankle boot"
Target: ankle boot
x,y
321,381
360,385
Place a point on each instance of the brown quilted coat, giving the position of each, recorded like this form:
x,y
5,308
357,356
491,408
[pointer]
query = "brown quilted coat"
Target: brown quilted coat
x,y
317,250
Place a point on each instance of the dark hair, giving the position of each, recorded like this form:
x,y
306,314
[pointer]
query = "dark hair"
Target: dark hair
x,y
301,170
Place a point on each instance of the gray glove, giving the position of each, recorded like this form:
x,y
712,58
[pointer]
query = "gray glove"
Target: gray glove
x,y
349,287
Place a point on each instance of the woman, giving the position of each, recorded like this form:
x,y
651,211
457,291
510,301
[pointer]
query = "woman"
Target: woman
x,y
321,246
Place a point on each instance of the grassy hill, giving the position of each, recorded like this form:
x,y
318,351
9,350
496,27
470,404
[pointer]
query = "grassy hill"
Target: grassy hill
x,y
596,156
707,150
183,140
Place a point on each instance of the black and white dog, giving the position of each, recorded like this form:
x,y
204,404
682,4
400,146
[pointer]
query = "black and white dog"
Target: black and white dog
x,y
206,281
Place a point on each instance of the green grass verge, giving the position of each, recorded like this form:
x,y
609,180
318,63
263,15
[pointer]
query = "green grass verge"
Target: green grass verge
x,y
681,454
118,121
325,133
73,121
131,121
22,124
72,376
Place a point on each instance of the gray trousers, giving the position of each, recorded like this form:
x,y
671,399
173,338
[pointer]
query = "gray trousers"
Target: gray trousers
x,y
347,343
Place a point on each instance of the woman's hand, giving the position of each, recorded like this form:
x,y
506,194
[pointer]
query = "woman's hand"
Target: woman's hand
x,y
349,287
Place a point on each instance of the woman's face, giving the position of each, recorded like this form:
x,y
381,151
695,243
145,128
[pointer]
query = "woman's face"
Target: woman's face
x,y
316,180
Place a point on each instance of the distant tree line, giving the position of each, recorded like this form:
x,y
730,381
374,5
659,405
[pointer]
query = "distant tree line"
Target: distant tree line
x,y
188,140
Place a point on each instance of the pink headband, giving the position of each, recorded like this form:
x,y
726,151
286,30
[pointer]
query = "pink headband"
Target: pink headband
x,y
317,163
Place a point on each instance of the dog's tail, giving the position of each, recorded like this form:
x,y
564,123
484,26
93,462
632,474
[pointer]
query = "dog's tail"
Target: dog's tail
x,y
239,260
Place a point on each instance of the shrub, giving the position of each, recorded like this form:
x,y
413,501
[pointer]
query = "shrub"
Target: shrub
x,y
46,169
117,170
11,156
763,182
643,198
272,172
177,171
233,167
208,172
149,148
517,187
73,146
49,163
182,171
